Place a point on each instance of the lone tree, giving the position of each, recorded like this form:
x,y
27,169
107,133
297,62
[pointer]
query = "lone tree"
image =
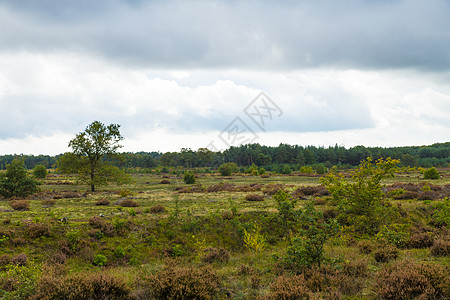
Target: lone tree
x,y
89,148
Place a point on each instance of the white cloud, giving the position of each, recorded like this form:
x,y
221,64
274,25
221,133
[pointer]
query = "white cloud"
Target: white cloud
x,y
60,94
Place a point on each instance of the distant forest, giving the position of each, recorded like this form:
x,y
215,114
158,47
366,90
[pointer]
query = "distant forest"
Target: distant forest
x,y
271,158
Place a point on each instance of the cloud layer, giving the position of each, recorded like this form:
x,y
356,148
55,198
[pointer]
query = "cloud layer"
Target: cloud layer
x,y
176,73
236,34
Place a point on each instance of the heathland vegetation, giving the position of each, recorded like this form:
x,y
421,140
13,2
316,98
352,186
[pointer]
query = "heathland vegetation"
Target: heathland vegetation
x,y
228,229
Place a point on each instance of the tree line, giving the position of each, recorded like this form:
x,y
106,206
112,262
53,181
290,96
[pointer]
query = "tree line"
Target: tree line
x,y
270,157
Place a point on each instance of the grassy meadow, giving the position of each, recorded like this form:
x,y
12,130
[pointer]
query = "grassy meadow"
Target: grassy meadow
x,y
211,240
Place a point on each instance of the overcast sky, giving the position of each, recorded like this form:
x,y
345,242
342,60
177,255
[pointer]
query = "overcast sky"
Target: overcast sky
x,y
189,74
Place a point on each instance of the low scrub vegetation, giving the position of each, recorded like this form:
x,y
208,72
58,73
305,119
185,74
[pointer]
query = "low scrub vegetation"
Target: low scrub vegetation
x,y
354,234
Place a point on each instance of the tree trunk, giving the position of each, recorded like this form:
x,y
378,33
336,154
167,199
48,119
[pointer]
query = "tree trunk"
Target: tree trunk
x,y
92,179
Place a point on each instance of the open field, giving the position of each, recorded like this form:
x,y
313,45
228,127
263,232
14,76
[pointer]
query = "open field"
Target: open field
x,y
202,235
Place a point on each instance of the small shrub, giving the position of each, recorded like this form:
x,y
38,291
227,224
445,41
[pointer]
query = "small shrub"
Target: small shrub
x,y
102,202
245,270
366,247
57,258
307,170
330,214
356,267
20,205
420,240
385,253
184,283
83,286
189,177
254,240
286,170
46,203
409,280
129,203
293,287
321,169
428,195
165,181
254,197
320,201
431,173
157,209
125,193
5,260
36,230
99,260
18,241
97,222
441,247
213,254
73,239
20,260
227,169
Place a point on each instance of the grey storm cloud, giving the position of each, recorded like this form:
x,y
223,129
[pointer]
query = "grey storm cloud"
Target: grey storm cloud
x,y
236,34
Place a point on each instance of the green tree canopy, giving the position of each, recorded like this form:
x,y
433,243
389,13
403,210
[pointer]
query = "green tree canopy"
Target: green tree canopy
x,y
16,182
88,150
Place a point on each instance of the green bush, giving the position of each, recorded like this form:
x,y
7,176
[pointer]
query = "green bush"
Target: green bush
x,y
189,177
286,170
441,215
431,173
227,169
307,170
307,249
40,171
321,169
99,260
360,200
285,204
16,182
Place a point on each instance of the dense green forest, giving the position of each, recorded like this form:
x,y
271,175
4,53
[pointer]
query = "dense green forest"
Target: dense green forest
x,y
272,158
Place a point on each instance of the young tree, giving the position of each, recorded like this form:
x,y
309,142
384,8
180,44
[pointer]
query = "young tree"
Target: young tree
x,y
16,182
360,200
88,150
